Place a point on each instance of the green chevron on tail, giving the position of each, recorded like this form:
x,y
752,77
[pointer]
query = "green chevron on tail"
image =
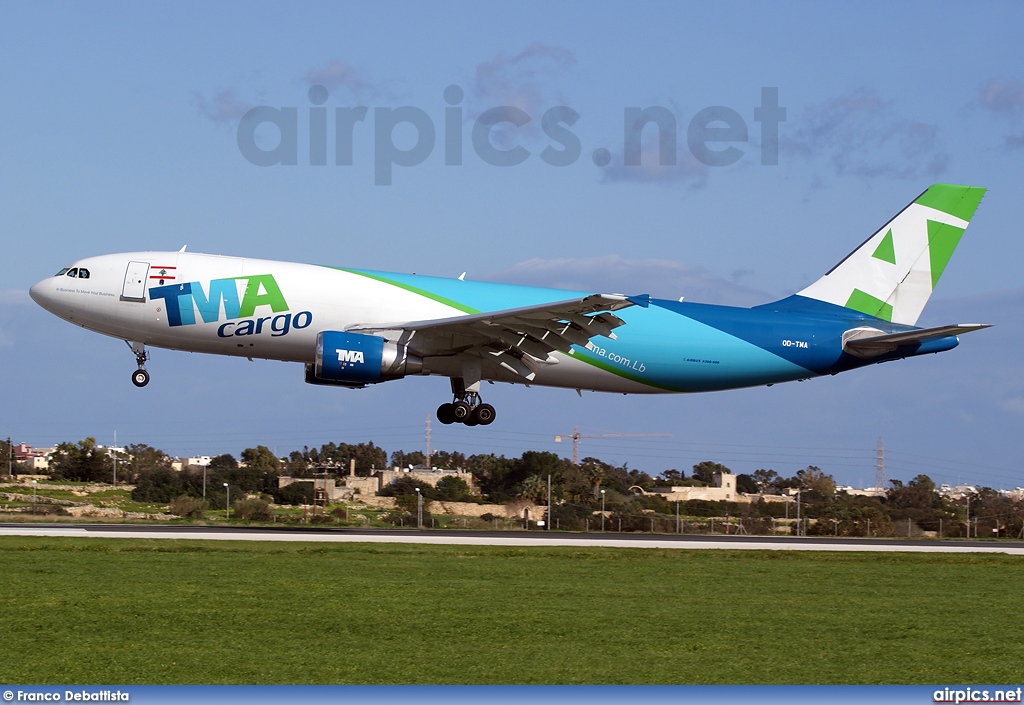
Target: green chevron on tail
x,y
893,273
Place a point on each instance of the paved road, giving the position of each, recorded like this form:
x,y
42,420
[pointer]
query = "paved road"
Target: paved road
x,y
512,538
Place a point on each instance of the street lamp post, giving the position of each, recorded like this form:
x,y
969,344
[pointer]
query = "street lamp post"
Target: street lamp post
x,y
602,510
34,483
548,527
204,483
227,501
419,509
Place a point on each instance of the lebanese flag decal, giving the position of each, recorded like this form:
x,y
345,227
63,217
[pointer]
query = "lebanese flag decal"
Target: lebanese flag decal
x,y
162,273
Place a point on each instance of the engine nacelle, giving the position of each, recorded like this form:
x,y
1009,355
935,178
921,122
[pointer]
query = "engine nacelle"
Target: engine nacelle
x,y
355,360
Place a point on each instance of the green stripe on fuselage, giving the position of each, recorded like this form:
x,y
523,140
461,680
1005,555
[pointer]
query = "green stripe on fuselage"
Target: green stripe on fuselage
x,y
580,353
408,287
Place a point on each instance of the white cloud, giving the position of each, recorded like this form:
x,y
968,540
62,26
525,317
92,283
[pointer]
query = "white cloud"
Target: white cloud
x,y
522,81
687,170
1005,99
1003,96
860,134
223,107
337,74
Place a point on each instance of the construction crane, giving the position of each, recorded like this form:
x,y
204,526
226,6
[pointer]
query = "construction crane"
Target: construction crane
x,y
576,436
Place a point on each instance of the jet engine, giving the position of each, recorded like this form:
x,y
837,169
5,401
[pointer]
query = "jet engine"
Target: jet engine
x,y
355,360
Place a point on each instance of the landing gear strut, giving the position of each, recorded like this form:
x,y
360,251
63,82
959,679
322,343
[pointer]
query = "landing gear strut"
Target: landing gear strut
x,y
140,378
465,408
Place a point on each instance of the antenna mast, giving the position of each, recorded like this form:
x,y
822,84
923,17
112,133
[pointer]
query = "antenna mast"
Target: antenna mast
x,y
880,466
428,440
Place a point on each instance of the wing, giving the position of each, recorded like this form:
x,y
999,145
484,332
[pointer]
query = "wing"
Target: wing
x,y
871,342
519,340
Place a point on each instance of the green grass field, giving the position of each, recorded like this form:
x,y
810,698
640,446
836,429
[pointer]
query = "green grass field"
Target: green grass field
x,y
146,611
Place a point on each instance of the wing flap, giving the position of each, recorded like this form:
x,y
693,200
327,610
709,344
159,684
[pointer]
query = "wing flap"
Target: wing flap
x,y
519,340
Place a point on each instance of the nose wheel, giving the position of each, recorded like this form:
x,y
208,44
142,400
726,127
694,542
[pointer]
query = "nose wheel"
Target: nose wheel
x,y
466,410
140,377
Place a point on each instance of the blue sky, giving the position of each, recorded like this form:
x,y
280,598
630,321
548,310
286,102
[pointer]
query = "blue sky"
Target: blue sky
x,y
119,132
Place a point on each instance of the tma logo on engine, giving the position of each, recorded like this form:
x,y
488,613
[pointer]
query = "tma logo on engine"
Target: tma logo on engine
x,y
261,290
353,356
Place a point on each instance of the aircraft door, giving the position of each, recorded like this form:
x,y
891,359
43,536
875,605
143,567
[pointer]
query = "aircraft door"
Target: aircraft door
x,y
135,282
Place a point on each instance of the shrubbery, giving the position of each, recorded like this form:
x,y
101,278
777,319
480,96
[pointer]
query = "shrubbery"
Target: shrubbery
x,y
253,510
185,506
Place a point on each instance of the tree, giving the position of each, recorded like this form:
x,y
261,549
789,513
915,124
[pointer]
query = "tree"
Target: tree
x,y
670,476
815,479
705,471
297,464
918,494
142,457
83,462
401,459
767,480
223,462
261,458
534,488
746,484
923,483
452,460
494,475
368,457
7,461
595,471
159,485
404,491
293,494
406,485
452,488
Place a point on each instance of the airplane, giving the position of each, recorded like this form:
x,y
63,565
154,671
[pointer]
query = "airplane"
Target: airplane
x,y
356,327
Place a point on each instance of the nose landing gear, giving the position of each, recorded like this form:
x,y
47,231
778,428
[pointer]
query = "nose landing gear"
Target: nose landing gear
x,y
466,409
140,378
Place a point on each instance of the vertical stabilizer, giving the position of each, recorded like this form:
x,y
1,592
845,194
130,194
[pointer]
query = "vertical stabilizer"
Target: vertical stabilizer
x,y
893,273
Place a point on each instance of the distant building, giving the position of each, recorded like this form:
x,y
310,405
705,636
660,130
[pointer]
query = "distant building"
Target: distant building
x,y
866,492
723,490
35,459
322,488
429,476
956,491
379,479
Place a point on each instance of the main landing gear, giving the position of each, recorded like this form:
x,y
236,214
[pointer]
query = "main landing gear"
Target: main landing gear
x,y
140,378
466,409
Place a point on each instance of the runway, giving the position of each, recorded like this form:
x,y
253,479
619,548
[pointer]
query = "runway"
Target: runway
x,y
513,538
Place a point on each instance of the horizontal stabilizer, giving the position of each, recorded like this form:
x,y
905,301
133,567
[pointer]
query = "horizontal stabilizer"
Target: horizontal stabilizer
x,y
871,342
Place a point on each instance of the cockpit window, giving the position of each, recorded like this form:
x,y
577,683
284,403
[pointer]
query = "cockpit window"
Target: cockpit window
x,y
62,272
83,273
73,272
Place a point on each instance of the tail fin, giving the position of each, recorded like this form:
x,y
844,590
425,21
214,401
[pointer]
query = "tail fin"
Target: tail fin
x,y
893,273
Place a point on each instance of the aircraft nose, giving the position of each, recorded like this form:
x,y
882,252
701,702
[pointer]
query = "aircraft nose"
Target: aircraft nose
x,y
42,292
